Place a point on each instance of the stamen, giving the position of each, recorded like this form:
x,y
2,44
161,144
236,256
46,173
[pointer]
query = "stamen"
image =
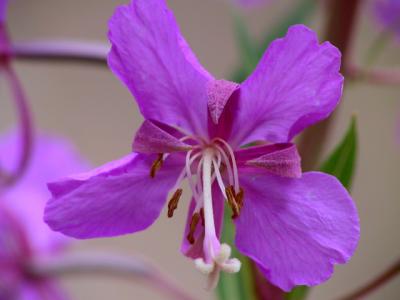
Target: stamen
x,y
219,178
227,163
193,225
173,203
240,197
189,175
234,166
157,164
230,194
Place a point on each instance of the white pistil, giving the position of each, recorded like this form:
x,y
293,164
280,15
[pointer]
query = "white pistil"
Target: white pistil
x,y
217,256
207,195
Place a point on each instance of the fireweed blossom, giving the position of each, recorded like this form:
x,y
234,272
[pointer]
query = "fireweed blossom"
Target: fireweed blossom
x,y
24,236
387,13
294,226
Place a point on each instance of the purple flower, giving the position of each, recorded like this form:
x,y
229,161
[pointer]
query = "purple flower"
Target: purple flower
x,y
294,226
23,234
387,13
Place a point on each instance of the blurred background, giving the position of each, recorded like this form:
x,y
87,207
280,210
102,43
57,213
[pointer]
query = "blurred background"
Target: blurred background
x,y
88,105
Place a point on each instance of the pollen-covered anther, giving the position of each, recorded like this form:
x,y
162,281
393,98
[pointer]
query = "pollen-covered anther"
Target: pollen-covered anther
x,y
193,224
157,164
231,197
173,202
239,198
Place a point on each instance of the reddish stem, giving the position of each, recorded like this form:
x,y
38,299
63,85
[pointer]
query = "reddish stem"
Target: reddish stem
x,y
383,278
375,76
263,288
25,124
62,51
111,265
340,27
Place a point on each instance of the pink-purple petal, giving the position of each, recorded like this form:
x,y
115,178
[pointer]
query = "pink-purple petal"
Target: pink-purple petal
x,y
155,62
296,84
117,199
296,229
151,138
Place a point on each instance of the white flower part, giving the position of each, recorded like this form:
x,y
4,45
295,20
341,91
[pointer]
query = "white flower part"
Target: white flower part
x,y
221,262
203,267
201,177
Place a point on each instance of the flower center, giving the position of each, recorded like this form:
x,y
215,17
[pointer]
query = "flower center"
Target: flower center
x,y
204,166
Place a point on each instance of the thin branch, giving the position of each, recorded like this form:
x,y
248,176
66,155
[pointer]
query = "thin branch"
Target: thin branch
x,y
339,31
26,128
383,278
375,76
108,265
62,51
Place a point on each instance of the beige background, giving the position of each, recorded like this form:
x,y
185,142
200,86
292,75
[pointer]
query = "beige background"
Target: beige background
x,y
91,107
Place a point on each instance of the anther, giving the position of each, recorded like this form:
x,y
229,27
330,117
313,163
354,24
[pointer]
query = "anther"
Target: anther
x,y
239,198
193,225
157,164
173,202
231,197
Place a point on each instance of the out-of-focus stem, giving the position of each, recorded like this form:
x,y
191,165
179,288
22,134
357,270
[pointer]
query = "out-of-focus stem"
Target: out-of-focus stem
x,y
339,30
375,76
26,128
109,265
61,51
383,278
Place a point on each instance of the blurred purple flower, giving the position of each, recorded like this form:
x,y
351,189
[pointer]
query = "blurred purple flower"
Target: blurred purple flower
x,y
388,14
24,236
3,10
294,226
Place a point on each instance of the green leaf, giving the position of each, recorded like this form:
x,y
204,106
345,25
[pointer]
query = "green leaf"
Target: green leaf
x,y
298,14
341,163
297,293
